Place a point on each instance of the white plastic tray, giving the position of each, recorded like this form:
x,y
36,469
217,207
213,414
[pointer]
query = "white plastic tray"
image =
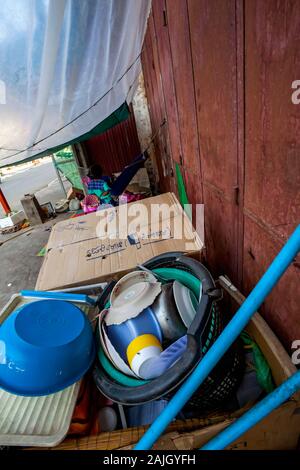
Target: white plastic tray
x,y
35,421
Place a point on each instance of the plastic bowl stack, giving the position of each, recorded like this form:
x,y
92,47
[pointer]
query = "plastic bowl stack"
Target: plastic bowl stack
x,y
143,331
155,326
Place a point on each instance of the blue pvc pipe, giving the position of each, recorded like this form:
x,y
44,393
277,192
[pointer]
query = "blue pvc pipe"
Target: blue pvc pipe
x,y
256,414
224,341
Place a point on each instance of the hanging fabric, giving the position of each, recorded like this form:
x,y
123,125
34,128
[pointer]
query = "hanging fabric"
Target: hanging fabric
x,y
65,66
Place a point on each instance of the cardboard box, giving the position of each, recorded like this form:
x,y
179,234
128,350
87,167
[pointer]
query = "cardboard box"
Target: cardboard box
x,y
99,246
12,220
74,192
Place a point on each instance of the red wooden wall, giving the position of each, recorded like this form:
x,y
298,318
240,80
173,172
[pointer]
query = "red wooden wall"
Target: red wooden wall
x,y
115,148
220,73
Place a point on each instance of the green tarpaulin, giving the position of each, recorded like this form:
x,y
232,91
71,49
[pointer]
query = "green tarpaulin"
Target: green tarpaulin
x,y
64,161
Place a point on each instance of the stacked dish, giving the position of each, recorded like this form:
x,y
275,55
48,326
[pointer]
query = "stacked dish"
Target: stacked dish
x,y
155,326
143,317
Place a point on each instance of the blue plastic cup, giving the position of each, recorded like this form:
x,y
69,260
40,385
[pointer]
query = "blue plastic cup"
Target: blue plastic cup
x,y
123,334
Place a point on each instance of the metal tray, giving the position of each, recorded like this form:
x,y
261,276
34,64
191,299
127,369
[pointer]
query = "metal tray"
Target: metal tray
x,y
36,421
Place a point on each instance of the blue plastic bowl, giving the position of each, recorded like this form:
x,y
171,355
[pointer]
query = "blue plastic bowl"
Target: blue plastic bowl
x,y
45,346
144,323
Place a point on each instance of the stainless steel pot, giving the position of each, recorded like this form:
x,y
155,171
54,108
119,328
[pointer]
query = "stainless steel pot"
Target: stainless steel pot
x,y
165,310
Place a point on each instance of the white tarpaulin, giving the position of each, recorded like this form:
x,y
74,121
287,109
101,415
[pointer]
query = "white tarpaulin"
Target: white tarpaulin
x,y
65,65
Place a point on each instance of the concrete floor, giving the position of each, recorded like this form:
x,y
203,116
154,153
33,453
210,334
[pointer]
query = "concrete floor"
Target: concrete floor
x,y
19,263
40,180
